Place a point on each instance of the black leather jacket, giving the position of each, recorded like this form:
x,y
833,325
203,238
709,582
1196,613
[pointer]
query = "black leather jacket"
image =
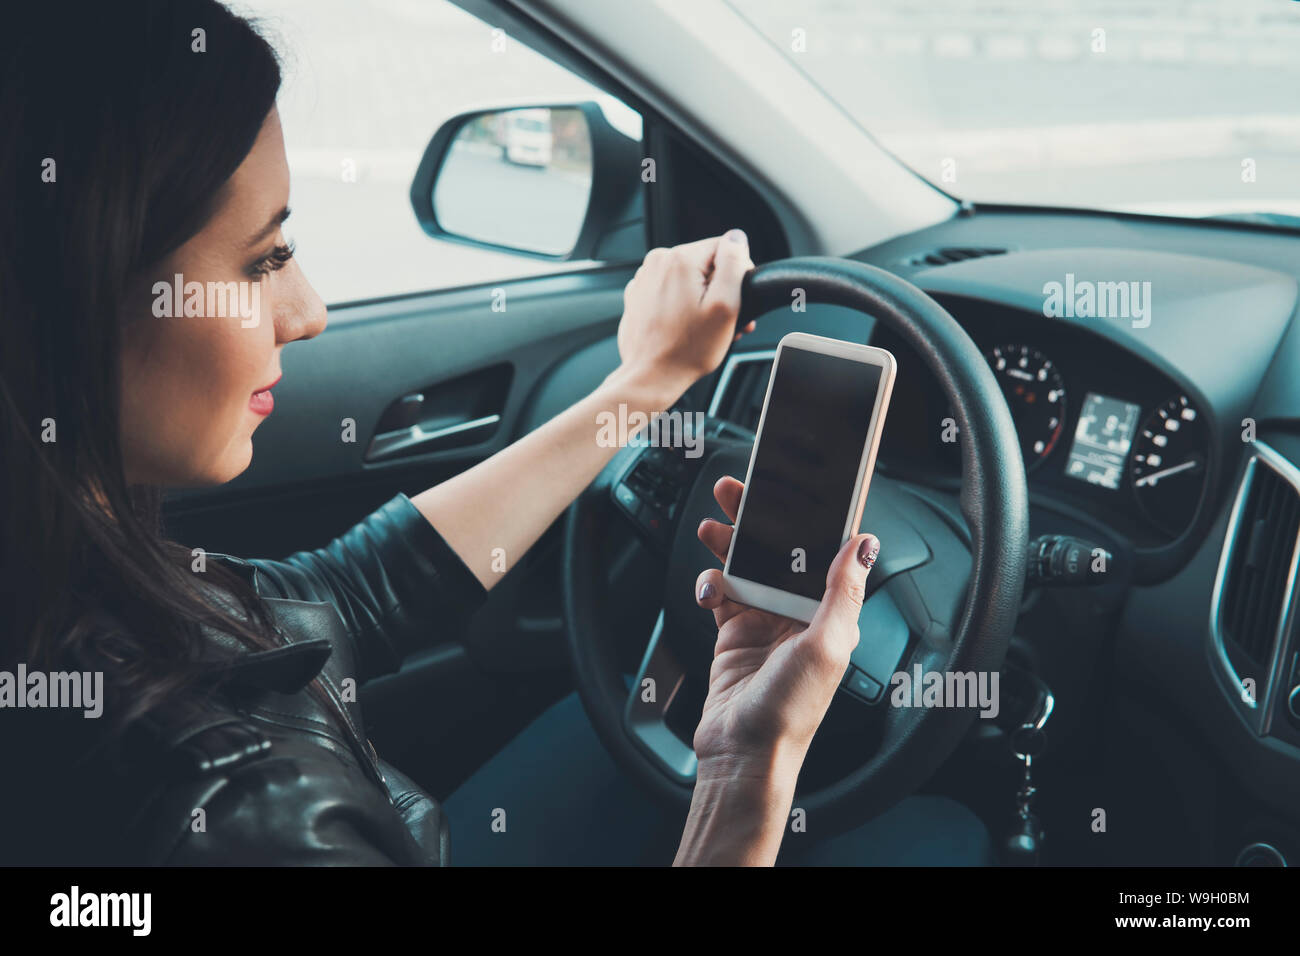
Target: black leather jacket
x,y
262,775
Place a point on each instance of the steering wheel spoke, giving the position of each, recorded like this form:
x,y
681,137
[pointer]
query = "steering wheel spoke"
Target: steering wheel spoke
x,y
645,718
885,636
650,490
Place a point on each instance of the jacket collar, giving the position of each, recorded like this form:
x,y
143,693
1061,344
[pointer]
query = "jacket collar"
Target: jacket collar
x,y
286,669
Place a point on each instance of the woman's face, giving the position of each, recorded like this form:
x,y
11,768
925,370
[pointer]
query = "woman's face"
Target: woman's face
x,y
201,351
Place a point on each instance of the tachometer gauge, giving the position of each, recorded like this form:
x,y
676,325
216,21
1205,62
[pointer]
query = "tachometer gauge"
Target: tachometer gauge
x,y
1036,396
1168,469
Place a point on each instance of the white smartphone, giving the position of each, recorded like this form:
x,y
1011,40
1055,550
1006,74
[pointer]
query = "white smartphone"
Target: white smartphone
x,y
809,471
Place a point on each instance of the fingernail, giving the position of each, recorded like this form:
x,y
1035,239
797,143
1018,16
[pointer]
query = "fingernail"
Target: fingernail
x,y
737,235
706,590
868,551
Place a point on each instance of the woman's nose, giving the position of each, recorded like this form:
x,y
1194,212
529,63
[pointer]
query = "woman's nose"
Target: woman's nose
x,y
300,311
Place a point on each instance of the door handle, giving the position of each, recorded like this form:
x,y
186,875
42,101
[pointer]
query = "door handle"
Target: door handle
x,y
453,413
430,436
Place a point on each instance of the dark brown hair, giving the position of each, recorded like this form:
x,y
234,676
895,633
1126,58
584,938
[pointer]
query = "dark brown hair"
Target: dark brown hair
x,y
118,138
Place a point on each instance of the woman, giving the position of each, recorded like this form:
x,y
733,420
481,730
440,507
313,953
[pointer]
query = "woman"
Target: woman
x,y
228,734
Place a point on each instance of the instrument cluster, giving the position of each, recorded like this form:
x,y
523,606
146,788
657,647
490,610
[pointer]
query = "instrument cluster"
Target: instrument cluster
x,y
1099,427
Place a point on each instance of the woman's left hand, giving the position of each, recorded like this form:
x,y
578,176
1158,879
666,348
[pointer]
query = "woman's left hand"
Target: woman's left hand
x,y
771,684
773,678
680,311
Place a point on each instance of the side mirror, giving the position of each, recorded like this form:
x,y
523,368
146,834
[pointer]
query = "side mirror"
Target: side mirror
x,y
554,182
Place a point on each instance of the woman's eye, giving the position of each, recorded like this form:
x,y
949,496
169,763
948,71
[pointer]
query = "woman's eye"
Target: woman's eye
x,y
274,260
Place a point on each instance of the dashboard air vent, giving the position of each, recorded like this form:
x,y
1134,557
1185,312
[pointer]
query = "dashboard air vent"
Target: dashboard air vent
x,y
950,254
742,388
1259,579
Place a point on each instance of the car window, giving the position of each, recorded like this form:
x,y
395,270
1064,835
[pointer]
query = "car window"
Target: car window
x,y
366,85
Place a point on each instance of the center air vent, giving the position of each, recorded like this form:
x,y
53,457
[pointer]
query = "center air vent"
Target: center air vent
x,y
950,254
1257,571
742,388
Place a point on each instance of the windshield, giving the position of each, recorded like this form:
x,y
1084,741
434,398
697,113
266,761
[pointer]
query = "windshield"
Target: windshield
x,y
1181,107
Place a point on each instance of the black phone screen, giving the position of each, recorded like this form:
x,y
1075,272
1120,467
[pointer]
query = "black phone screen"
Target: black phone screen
x,y
810,445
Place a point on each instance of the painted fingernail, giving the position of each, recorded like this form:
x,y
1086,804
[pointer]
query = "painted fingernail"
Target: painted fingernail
x,y
706,590
868,551
737,235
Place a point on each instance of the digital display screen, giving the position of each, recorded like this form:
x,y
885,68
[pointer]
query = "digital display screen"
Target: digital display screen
x,y
1102,440
809,448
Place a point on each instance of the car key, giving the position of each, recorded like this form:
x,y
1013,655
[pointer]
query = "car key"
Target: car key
x,y
1024,846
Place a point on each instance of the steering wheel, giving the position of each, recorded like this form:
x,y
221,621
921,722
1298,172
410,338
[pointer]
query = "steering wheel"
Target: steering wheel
x,y
943,596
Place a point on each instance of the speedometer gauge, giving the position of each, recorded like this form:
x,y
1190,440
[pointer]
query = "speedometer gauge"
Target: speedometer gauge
x,y
1168,469
1036,396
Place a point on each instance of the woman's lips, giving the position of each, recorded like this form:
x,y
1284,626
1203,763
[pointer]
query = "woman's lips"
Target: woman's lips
x,y
262,401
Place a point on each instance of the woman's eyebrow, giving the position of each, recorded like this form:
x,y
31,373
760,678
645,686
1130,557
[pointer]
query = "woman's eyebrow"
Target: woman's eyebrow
x,y
271,226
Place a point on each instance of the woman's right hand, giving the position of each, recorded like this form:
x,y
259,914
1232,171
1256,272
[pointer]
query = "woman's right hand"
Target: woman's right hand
x,y
680,312
771,684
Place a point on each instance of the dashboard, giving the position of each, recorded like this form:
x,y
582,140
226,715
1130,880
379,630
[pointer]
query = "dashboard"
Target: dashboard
x,y
1131,428
1101,430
